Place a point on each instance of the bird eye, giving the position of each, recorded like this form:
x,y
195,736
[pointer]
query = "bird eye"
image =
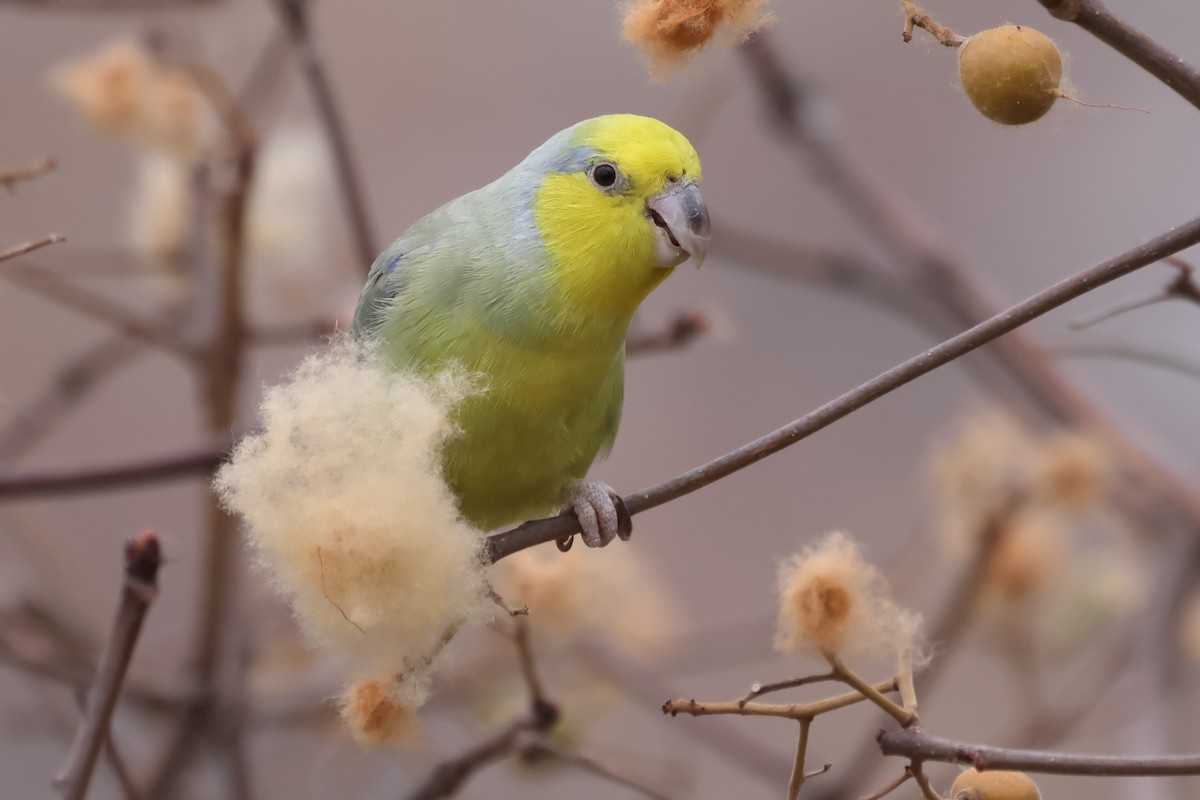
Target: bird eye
x,y
604,175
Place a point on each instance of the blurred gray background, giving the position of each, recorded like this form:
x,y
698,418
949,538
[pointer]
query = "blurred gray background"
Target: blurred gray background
x,y
441,97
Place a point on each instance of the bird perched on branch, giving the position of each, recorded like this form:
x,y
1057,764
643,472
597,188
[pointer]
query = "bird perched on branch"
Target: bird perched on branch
x,y
531,282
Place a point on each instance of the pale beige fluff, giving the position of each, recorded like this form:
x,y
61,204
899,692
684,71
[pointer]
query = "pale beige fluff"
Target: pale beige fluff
x,y
834,603
346,511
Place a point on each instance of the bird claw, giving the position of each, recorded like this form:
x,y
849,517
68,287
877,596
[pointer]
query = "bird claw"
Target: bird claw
x,y
602,515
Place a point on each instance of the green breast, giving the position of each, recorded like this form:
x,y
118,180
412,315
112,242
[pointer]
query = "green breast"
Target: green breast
x,y
541,416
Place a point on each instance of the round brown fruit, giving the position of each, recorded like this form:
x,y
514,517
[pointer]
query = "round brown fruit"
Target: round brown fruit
x,y
1011,73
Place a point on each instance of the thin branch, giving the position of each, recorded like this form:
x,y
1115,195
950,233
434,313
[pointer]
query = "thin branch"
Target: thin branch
x,y
94,479
99,308
891,787
10,177
139,586
542,746
918,745
795,711
1096,19
915,17
107,5
537,694
798,776
1129,352
553,528
112,753
918,773
833,270
29,247
449,776
682,331
293,16
876,696
759,689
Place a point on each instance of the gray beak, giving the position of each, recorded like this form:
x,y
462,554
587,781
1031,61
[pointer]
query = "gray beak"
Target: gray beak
x,y
683,226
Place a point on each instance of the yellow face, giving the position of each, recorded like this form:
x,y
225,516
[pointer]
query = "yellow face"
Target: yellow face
x,y
595,222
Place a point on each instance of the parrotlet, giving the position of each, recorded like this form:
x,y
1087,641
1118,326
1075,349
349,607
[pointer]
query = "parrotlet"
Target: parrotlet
x,y
530,283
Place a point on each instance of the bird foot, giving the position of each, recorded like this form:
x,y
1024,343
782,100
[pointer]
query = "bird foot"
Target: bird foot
x,y
601,512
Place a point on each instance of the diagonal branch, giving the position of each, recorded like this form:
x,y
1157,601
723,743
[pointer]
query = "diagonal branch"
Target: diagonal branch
x,y
920,746
1096,19
99,308
142,558
553,528
10,177
29,247
293,15
152,470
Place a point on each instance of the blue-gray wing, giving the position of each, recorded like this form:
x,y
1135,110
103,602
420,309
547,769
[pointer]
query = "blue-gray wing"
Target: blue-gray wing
x,y
385,280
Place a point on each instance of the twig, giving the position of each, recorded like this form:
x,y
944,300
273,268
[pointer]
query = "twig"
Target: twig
x,y
324,591
759,689
541,746
29,247
450,775
104,5
537,695
542,531
10,177
1096,19
1181,287
142,558
915,16
293,16
222,357
795,711
891,787
99,308
833,270
682,331
94,479
72,383
876,696
916,744
798,776
1129,352
918,773
111,752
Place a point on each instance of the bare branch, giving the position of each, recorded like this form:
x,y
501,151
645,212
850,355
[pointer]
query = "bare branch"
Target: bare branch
x,y
142,558
918,773
29,247
915,17
105,5
553,528
99,308
682,331
10,177
798,776
72,383
759,689
850,678
542,747
916,744
293,16
891,787
450,775
1096,19
1129,352
182,465
795,711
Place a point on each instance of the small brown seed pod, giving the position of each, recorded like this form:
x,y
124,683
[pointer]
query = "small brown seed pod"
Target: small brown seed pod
x,y
1011,73
994,784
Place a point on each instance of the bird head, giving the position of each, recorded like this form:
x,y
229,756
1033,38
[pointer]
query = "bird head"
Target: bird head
x,y
618,207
